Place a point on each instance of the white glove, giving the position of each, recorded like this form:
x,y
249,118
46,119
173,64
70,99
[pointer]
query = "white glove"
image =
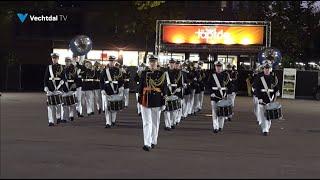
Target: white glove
x,y
103,92
184,85
178,90
260,100
46,89
212,95
163,108
195,79
277,93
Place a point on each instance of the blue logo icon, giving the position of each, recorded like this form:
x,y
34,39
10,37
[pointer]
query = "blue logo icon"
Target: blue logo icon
x,y
22,17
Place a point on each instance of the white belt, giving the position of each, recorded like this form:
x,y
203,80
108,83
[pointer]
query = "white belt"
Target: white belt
x,y
137,82
97,80
70,80
54,78
127,79
87,79
173,85
79,76
114,82
263,90
216,88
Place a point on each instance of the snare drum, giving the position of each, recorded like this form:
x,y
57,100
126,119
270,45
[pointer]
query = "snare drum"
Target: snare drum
x,y
273,111
69,99
173,103
54,98
224,108
115,103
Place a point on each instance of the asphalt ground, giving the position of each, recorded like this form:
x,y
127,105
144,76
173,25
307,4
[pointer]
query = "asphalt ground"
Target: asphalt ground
x,y
85,149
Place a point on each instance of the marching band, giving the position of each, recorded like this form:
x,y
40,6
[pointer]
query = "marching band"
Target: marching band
x,y
177,91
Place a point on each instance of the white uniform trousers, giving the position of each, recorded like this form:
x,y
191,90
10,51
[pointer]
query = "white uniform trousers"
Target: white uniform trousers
x,y
201,99
170,118
185,105
232,97
264,123
217,122
179,113
126,97
191,101
54,112
68,112
138,105
110,115
151,121
97,99
196,103
256,108
89,99
81,100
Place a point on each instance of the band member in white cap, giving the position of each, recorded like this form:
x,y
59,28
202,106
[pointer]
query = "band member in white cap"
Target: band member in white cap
x,y
179,92
174,84
111,83
69,87
87,86
52,84
232,85
186,90
266,87
202,80
217,83
140,69
96,86
152,87
79,93
126,78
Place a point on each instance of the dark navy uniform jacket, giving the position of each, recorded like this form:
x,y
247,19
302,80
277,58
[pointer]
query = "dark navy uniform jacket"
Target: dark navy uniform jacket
x,y
116,78
57,70
272,83
223,78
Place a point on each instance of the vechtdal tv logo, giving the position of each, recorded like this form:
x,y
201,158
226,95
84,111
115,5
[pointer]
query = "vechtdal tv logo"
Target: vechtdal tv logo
x,y
41,18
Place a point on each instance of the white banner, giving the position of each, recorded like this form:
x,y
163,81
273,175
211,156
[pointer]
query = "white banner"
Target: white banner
x,y
289,83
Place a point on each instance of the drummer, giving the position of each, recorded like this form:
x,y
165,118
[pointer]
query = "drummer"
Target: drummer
x,y
217,82
180,93
69,88
174,84
52,83
266,89
111,82
152,92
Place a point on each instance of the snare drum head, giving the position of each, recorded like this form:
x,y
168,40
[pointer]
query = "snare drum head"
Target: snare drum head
x,y
173,97
224,103
273,105
115,98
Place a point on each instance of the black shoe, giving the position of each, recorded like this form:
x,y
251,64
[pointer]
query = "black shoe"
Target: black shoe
x,y
177,124
229,119
220,129
59,121
215,131
51,124
103,111
108,126
99,111
139,114
265,133
91,114
64,121
71,118
113,124
153,146
167,129
126,107
173,127
79,115
146,148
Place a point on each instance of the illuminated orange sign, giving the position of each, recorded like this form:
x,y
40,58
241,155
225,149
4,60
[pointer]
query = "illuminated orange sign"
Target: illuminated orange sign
x,y
215,34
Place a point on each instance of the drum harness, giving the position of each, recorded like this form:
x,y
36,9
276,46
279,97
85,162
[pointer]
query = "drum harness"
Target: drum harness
x,y
218,87
53,78
266,89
